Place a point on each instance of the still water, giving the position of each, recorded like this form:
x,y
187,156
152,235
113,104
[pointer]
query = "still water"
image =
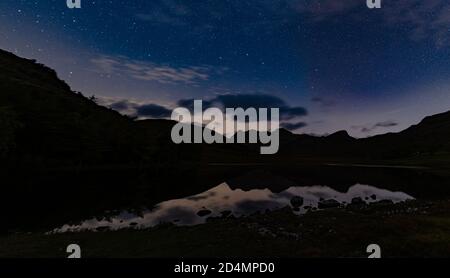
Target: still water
x,y
224,201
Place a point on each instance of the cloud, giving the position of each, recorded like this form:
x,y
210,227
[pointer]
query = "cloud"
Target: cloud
x,y
153,111
160,18
293,126
146,110
323,102
140,109
148,71
385,124
167,12
427,19
246,101
322,9
292,112
249,100
268,15
177,18
123,106
424,18
120,105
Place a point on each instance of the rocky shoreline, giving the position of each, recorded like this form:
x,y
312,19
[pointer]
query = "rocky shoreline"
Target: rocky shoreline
x,y
408,229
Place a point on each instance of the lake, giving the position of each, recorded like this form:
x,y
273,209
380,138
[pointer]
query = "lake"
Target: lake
x,y
223,201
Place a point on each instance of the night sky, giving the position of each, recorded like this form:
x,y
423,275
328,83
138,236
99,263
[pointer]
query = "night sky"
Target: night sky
x,y
329,64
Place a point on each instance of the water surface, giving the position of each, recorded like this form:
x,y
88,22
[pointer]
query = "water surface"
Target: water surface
x,y
222,200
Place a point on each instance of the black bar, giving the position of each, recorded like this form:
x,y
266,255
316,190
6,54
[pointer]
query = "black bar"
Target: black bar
x,y
284,267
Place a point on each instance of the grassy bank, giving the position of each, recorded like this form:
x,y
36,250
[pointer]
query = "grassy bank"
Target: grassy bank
x,y
412,229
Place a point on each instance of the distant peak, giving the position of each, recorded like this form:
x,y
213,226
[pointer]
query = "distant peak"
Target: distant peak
x,y
342,134
437,117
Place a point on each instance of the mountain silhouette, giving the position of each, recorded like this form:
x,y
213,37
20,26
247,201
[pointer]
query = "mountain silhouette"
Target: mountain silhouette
x,y
60,149
44,122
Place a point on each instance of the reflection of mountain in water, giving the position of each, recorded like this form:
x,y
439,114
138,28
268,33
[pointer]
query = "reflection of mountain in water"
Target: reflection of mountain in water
x,y
223,201
60,149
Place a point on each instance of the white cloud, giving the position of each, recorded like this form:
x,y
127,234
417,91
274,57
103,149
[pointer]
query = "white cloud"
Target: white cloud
x,y
427,19
148,71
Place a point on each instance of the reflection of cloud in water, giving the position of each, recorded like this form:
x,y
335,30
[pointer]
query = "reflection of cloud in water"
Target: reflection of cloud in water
x,y
253,206
222,198
182,214
197,198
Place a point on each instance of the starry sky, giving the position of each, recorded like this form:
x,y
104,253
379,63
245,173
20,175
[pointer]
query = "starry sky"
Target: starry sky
x,y
328,64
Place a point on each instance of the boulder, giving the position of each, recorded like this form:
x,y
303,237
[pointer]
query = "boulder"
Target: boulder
x,y
204,212
358,201
225,213
384,203
330,203
297,201
102,228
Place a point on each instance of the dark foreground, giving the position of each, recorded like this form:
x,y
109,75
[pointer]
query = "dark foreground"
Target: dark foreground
x,y
411,229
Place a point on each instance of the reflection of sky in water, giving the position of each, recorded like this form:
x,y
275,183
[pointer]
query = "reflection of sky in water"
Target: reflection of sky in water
x,y
221,199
